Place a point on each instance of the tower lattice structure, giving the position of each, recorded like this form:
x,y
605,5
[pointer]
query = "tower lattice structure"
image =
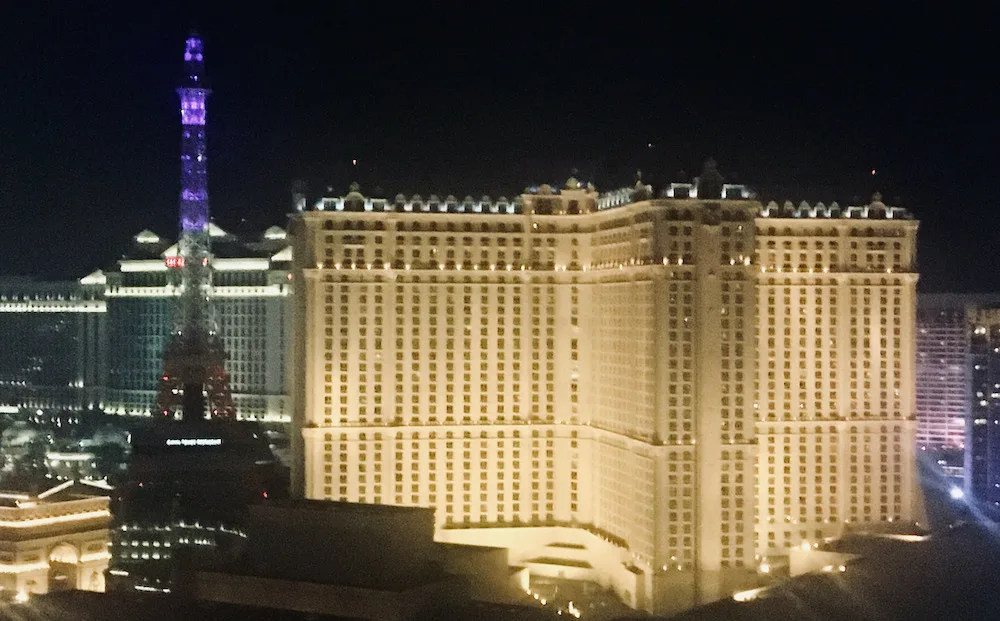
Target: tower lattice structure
x,y
194,370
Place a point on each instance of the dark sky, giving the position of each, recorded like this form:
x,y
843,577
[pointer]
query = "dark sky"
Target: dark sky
x,y
465,101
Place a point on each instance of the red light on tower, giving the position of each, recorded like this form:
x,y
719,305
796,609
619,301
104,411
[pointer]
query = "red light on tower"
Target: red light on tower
x,y
175,262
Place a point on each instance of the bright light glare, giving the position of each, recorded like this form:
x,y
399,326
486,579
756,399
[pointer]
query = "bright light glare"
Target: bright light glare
x,y
21,597
748,596
957,493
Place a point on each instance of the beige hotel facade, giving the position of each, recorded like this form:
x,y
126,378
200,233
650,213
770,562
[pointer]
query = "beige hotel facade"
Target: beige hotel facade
x,y
662,394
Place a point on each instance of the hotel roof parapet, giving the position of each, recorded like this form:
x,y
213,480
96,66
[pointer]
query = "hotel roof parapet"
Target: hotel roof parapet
x,y
621,197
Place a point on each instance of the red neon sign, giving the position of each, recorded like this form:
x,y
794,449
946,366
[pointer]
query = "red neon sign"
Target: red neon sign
x,y
175,262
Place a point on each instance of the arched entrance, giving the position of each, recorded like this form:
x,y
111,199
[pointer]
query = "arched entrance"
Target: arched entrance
x,y
63,567
96,582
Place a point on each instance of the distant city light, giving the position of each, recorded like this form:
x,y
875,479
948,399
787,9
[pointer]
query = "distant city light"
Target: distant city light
x,y
957,493
873,172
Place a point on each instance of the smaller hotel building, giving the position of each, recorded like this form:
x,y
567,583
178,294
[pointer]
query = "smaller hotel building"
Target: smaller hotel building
x,y
54,540
250,293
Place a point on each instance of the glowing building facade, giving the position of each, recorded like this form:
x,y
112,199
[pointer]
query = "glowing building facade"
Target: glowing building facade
x,y
942,375
99,342
53,336
982,456
55,539
958,389
250,296
665,390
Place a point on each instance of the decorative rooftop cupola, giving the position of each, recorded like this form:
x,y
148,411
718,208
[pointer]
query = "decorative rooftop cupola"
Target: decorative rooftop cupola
x,y
355,200
710,182
641,191
877,208
576,197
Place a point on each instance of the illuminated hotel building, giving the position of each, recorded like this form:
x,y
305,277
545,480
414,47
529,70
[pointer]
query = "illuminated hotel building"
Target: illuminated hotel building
x,y
52,355
99,342
56,539
667,390
251,289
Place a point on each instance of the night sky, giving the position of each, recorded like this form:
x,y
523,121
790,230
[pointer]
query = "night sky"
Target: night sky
x,y
460,102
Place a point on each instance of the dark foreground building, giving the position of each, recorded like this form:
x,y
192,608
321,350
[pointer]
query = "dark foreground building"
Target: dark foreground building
x,y
953,575
363,561
88,606
183,503
303,559
118,606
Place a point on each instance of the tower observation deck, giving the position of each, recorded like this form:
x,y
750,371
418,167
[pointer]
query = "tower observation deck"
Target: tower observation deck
x,y
194,372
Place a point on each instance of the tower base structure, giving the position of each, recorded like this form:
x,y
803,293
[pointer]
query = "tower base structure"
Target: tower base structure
x,y
192,366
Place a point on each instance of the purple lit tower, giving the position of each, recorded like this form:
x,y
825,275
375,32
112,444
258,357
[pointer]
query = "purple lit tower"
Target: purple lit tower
x,y
194,374
194,170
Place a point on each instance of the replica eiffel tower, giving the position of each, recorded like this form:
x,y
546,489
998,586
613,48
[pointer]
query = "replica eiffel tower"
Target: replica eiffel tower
x,y
194,372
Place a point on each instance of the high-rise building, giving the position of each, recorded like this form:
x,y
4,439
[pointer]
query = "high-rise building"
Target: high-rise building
x,y
944,380
655,393
982,456
957,366
52,354
942,374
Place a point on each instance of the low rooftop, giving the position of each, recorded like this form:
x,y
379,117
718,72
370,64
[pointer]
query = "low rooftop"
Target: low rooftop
x,y
66,491
148,245
336,506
